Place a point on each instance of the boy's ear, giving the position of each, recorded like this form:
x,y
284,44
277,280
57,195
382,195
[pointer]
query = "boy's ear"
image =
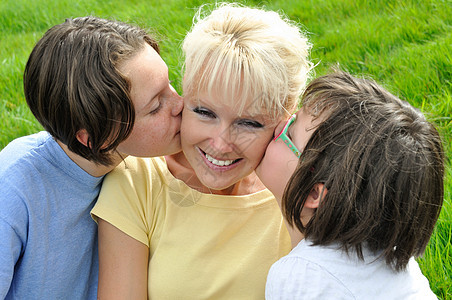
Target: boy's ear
x,y
313,200
82,136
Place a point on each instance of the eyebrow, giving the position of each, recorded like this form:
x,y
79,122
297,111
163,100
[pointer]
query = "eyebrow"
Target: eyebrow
x,y
148,103
260,117
151,99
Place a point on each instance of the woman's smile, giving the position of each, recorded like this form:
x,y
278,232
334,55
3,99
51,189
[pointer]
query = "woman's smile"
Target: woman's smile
x,y
218,164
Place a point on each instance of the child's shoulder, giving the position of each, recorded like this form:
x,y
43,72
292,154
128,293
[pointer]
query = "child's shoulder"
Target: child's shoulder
x,y
308,258
23,148
302,274
329,267
25,143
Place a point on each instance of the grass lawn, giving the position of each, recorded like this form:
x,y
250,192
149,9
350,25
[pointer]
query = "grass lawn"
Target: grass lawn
x,y
404,45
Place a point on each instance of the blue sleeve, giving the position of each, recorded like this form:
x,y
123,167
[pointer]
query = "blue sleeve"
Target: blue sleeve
x,y
296,278
10,250
13,231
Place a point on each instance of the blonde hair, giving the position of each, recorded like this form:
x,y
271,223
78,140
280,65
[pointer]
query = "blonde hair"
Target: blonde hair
x,y
246,54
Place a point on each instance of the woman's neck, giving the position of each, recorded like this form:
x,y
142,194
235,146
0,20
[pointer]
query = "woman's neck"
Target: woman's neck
x,y
180,168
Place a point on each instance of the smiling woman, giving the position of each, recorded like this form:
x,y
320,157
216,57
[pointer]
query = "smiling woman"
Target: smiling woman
x,y
199,224
225,147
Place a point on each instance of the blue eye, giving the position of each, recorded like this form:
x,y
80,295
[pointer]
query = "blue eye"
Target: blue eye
x,y
203,112
250,124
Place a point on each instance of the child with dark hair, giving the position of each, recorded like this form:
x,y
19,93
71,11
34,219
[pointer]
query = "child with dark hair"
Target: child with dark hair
x,y
361,195
101,91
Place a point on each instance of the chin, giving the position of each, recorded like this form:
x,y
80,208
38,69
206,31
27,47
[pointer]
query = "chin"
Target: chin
x,y
218,187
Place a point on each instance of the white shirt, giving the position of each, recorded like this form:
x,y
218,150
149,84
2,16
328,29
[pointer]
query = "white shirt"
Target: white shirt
x,y
319,272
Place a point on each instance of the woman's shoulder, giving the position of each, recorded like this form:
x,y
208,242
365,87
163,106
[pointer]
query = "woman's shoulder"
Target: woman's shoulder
x,y
131,163
139,166
137,173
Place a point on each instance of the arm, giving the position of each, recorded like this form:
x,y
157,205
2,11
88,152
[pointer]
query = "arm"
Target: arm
x,y
123,264
10,246
13,232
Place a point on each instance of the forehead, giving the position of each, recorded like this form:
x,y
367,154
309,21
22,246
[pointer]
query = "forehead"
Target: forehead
x,y
147,74
142,58
234,85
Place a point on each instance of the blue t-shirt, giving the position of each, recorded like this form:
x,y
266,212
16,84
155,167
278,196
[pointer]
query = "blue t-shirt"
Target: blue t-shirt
x,y
48,244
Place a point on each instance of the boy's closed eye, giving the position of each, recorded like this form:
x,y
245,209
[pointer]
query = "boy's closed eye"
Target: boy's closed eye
x,y
156,106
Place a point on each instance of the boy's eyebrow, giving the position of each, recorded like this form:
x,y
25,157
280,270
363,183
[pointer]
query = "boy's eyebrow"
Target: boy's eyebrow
x,y
149,102
151,98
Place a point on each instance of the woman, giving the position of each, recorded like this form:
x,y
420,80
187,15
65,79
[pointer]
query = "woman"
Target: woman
x,y
199,224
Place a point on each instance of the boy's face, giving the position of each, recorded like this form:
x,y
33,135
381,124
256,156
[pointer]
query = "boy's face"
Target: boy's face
x,y
157,107
279,161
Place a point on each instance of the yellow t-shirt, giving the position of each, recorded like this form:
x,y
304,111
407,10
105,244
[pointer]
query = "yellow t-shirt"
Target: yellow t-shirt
x,y
202,246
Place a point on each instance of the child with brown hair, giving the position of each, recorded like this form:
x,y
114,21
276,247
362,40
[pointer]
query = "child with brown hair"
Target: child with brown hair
x,y
100,90
361,195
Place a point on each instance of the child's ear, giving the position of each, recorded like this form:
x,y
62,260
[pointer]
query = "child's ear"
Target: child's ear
x,y
82,136
314,196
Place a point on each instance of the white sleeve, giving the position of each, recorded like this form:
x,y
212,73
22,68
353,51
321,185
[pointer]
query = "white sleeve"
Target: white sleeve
x,y
297,278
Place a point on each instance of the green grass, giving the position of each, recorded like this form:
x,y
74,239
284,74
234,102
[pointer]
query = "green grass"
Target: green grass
x,y
404,45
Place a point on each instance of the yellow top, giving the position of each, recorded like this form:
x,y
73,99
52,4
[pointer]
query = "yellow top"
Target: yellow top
x,y
202,246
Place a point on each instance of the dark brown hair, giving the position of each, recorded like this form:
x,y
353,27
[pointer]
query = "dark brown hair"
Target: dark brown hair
x,y
72,82
382,164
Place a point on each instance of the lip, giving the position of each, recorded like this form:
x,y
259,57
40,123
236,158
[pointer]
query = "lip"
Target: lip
x,y
215,167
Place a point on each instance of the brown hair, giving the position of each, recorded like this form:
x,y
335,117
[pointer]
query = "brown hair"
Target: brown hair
x,y
382,164
72,82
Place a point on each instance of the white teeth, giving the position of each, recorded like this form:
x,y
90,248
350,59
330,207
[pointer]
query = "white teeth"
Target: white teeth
x,y
220,163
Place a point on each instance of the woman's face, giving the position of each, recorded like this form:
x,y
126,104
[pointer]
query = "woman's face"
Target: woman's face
x,y
279,161
157,107
222,146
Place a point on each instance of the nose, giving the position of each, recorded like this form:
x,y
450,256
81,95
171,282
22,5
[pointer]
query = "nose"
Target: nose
x,y
222,141
177,103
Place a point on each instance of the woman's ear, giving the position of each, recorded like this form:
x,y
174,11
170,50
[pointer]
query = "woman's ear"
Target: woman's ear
x,y
83,137
318,191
